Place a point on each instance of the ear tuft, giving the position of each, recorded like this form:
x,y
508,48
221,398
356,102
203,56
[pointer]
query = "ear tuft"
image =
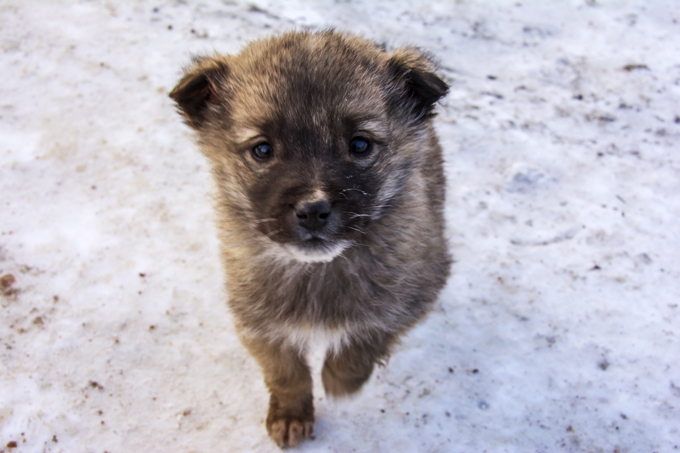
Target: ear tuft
x,y
419,87
199,89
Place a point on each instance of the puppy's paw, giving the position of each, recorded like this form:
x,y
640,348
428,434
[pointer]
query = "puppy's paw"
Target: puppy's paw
x,y
288,431
291,424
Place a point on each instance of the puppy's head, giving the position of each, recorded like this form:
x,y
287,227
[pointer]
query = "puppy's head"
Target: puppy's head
x,y
311,135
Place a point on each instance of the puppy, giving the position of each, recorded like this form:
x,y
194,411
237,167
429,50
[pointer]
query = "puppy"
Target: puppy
x,y
330,201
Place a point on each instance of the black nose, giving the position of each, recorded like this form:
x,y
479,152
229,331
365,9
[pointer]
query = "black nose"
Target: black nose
x,y
313,215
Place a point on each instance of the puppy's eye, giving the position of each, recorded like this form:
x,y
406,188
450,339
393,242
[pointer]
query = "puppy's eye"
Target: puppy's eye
x,y
359,146
263,151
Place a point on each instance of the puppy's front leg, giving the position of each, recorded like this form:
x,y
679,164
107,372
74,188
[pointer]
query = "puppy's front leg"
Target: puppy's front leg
x,y
286,374
346,371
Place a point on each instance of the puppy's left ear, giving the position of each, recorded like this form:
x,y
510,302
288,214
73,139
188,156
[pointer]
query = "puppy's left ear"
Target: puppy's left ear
x,y
417,85
201,90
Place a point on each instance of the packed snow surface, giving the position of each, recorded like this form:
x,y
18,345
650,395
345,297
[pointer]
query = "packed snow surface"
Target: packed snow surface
x,y
557,331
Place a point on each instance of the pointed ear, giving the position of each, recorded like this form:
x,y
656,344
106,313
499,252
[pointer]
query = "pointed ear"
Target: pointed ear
x,y
418,87
200,89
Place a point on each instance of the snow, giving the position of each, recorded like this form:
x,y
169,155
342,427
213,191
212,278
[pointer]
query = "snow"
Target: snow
x,y
557,330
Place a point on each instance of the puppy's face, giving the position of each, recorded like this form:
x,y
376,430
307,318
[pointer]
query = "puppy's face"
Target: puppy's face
x,y
310,135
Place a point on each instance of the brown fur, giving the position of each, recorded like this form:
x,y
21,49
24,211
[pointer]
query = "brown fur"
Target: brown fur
x,y
320,241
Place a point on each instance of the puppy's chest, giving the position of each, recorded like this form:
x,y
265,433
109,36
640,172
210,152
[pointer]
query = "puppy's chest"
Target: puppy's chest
x,y
319,307
330,296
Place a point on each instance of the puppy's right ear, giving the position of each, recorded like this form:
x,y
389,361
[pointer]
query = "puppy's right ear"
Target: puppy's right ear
x,y
200,90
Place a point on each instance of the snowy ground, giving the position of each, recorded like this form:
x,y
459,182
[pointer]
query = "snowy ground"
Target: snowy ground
x,y
556,332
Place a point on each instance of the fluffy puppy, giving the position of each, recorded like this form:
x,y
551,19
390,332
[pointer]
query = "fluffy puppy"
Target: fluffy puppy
x,y
330,190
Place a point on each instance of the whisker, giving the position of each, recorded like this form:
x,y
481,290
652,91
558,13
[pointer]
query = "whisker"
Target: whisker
x,y
268,235
211,198
252,239
356,229
358,190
